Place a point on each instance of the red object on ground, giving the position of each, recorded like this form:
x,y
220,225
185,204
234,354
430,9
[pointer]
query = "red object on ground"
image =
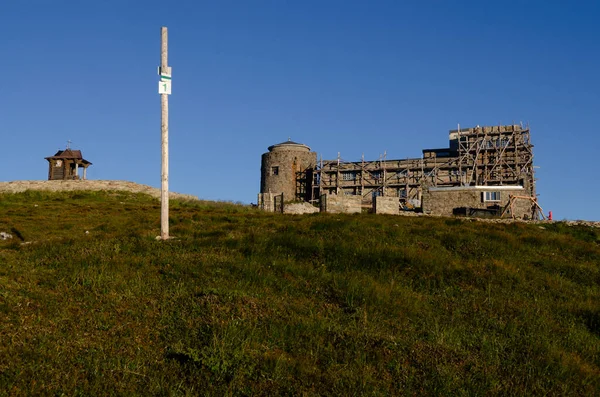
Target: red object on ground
x,y
550,215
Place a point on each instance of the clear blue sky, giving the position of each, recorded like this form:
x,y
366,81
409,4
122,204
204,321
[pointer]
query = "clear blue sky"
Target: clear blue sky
x,y
340,76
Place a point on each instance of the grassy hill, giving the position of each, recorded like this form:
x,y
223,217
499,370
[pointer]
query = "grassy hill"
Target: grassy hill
x,y
250,303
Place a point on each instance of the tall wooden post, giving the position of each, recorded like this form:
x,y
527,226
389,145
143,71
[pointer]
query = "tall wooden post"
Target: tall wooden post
x,y
164,124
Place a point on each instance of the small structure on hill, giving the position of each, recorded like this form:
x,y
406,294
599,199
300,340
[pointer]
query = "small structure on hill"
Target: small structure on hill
x,y
65,165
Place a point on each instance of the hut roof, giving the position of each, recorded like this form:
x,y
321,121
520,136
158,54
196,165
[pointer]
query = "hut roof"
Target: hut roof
x,y
69,154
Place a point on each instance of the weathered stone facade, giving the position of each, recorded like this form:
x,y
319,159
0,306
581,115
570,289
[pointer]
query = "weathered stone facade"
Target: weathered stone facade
x,y
341,204
448,201
285,167
386,205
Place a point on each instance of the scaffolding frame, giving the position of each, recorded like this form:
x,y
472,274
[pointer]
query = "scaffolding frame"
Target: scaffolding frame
x,y
480,156
536,211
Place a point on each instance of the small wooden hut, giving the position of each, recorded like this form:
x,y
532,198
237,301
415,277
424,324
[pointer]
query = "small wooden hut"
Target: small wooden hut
x,y
65,165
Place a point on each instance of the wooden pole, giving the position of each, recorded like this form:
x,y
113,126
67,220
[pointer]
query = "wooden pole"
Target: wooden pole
x,y
164,124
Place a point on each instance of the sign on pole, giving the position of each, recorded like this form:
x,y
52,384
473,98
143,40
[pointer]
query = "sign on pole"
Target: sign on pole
x,y
164,87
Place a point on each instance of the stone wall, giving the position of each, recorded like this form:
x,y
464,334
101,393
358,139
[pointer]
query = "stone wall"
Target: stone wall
x,y
279,170
386,205
444,201
341,204
266,202
75,185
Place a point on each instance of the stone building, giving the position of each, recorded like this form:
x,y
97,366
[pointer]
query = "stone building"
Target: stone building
x,y
66,164
479,172
286,171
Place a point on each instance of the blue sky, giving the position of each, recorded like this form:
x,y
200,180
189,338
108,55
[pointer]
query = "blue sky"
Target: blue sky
x,y
340,76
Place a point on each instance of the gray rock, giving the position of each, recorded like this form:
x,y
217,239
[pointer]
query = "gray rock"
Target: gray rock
x,y
299,208
5,236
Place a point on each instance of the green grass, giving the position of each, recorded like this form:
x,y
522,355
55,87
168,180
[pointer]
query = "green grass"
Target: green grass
x,y
249,303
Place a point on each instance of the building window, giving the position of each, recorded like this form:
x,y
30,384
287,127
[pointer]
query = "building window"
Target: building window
x,y
274,170
376,174
349,176
491,196
402,192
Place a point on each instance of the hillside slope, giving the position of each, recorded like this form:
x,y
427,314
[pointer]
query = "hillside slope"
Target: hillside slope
x,y
87,185
249,303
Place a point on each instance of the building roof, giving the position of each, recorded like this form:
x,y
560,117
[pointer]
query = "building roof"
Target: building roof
x,y
69,154
289,144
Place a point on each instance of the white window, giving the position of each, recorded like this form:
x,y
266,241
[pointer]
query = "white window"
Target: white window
x,y
491,196
349,176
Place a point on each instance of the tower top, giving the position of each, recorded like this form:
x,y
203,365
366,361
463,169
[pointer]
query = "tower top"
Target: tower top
x,y
289,145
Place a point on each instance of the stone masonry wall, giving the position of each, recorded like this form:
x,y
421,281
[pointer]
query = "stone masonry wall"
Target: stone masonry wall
x,y
443,201
266,202
288,162
341,204
386,205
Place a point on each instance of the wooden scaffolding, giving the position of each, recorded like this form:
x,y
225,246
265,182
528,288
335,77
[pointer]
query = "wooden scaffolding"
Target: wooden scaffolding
x,y
480,156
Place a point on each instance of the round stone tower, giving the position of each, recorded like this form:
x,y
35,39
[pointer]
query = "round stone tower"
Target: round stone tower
x,y
287,168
